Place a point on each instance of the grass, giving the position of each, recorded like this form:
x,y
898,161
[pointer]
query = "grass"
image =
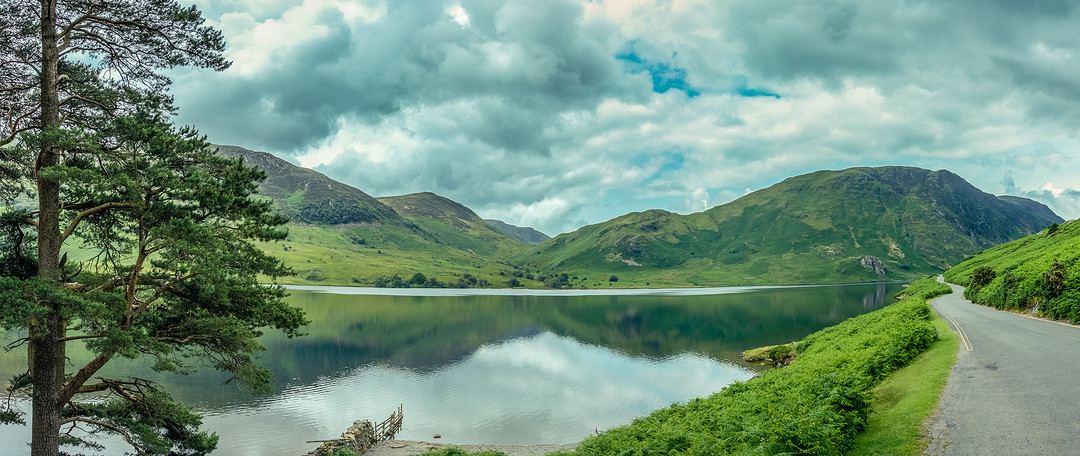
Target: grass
x,y
904,400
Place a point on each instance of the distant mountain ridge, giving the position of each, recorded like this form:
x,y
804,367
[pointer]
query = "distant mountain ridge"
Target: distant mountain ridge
x,y
858,224
523,234
853,225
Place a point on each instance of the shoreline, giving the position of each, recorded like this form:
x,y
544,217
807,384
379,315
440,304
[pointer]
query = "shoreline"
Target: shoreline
x,y
411,447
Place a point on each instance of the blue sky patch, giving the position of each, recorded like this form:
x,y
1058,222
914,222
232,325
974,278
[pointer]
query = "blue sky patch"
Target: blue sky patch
x,y
664,76
739,87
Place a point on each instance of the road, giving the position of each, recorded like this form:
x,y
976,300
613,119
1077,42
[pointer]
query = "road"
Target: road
x,y
1015,388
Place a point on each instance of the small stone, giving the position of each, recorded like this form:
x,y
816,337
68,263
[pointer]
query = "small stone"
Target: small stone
x,y
436,436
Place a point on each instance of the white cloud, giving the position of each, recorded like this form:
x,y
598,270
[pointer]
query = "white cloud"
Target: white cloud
x,y
523,110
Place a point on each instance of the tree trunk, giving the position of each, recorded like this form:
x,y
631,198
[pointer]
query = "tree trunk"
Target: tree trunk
x,y
46,352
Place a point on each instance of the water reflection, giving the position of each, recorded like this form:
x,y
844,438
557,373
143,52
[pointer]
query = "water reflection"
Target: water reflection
x,y
490,368
540,389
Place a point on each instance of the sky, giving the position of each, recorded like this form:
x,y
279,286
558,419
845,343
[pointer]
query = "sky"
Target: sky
x,y
560,113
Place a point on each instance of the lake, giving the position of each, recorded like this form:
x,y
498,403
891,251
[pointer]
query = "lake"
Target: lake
x,y
495,366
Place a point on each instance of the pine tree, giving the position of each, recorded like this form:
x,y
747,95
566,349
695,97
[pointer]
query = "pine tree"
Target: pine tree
x,y
85,119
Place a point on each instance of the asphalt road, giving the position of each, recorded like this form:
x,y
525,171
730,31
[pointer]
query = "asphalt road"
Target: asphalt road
x,y
1015,388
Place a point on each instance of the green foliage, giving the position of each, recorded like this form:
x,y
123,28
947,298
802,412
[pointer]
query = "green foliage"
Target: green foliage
x,y
342,451
926,288
418,279
906,399
1052,229
780,353
981,277
176,277
1037,273
814,406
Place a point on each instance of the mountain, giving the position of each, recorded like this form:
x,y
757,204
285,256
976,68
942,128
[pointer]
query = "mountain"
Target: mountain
x,y
340,235
307,196
522,234
449,222
859,224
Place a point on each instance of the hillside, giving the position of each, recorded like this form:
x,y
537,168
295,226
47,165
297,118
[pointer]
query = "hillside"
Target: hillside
x,y
522,234
448,222
307,196
859,224
340,235
1038,274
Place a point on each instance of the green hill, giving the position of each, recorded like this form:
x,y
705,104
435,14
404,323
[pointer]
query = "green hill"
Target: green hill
x,y
1038,274
448,222
859,224
307,196
340,235
522,234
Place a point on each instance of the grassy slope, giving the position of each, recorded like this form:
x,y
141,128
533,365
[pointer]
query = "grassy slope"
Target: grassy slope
x,y
450,223
1020,267
807,229
342,236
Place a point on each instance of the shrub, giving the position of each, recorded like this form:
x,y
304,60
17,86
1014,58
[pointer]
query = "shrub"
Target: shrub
x,y
779,353
613,279
418,279
982,277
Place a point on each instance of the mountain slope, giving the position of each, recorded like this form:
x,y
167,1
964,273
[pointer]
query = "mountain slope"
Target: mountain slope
x,y
1038,274
307,196
341,235
853,225
523,234
449,222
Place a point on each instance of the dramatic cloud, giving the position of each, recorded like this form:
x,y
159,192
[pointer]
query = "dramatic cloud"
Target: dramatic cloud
x,y
564,112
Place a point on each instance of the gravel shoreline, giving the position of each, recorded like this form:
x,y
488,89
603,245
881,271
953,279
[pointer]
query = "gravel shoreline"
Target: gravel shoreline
x,y
408,447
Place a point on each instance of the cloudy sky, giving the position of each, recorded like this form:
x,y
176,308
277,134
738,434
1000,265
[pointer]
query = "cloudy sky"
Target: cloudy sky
x,y
560,113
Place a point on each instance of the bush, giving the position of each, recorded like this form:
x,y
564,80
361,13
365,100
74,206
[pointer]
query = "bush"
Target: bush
x,y
982,277
513,282
418,279
613,279
779,353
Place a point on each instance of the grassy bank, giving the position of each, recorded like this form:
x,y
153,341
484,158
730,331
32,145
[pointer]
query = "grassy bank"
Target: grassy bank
x,y
904,400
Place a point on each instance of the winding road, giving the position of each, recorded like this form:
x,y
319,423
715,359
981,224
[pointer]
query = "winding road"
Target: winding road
x,y
1015,387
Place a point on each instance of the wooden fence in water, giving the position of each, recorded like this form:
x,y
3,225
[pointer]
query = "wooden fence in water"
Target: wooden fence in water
x,y
387,429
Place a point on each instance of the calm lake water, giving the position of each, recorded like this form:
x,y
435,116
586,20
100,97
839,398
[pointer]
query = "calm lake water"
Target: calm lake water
x,y
495,366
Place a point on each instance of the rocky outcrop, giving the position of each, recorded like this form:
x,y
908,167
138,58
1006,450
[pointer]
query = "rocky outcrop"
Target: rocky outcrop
x,y
873,263
359,438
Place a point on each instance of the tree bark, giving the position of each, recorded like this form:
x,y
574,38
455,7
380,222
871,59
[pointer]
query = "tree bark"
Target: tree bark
x,y
47,364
